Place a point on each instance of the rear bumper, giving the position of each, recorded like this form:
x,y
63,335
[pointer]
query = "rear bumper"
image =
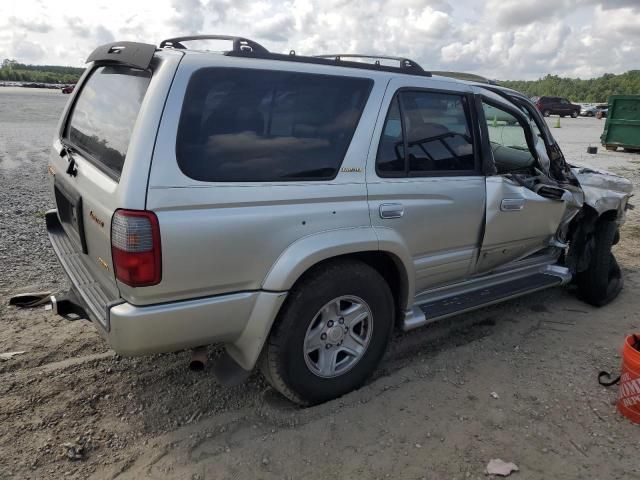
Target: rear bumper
x,y
93,297
165,327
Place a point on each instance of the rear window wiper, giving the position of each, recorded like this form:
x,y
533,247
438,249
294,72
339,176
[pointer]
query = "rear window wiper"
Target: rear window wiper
x,y
68,151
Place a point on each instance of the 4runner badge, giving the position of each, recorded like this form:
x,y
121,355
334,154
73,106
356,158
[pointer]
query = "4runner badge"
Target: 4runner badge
x,y
103,263
95,218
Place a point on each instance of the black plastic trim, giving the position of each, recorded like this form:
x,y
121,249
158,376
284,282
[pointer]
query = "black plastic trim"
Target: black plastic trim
x,y
132,54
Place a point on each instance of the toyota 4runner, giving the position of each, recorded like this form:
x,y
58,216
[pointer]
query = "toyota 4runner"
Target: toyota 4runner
x,y
298,210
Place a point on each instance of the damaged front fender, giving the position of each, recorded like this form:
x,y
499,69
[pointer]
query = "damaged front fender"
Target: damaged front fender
x,y
603,191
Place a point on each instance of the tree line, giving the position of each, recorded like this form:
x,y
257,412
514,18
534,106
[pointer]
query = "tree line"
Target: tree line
x,y
593,90
13,71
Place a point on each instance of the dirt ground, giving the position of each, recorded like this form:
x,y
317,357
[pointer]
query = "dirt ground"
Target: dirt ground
x,y
515,381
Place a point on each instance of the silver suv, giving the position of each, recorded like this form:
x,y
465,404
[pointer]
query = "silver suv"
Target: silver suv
x,y
299,209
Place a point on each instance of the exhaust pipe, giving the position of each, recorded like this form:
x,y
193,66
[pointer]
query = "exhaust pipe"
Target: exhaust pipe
x,y
199,359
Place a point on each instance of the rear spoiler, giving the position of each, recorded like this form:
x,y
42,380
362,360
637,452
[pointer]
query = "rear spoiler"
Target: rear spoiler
x,y
132,54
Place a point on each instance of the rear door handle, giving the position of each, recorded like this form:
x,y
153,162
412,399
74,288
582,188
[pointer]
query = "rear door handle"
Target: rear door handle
x,y
512,204
391,210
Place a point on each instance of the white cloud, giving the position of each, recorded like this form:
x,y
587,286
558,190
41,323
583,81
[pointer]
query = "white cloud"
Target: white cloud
x,y
500,38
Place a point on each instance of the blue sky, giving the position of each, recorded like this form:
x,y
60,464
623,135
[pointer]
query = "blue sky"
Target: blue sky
x,y
503,39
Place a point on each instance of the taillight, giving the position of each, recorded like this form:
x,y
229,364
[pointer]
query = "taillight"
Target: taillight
x,y
135,247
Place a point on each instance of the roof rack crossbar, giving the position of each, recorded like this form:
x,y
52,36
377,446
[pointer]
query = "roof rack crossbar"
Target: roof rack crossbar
x,y
405,63
240,44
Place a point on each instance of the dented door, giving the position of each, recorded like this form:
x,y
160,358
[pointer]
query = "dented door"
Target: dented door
x,y
519,222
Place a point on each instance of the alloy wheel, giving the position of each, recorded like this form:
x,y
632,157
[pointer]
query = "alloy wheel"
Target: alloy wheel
x,y
338,336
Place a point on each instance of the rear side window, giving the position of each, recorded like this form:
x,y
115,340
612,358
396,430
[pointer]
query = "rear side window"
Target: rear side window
x,y
433,129
241,125
105,113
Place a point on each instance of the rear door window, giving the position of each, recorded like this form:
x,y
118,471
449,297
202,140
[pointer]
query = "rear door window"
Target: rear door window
x,y
105,113
434,129
240,125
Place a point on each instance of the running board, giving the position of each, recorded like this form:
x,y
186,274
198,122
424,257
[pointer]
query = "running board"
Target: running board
x,y
481,292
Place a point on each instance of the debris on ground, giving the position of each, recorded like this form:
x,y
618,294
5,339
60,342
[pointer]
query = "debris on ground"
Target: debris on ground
x,y
30,300
500,467
9,355
495,395
73,451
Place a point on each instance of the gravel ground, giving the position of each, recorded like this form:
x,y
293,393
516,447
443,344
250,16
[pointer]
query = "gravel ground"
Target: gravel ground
x,y
429,412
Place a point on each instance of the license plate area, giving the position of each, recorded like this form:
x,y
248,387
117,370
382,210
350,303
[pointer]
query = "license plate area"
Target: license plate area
x,y
70,213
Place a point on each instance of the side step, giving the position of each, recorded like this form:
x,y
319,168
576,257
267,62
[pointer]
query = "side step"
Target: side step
x,y
466,297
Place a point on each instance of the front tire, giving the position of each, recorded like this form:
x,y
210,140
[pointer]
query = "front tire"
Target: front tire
x,y
546,113
574,115
331,333
602,281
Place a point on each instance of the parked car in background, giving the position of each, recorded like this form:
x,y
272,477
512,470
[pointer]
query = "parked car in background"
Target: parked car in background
x,y
68,89
591,110
556,106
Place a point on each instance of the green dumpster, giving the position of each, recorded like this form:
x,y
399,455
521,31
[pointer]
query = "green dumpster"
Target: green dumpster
x,y
622,128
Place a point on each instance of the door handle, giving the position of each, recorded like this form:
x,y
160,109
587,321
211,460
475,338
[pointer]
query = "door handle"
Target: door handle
x,y
391,210
512,204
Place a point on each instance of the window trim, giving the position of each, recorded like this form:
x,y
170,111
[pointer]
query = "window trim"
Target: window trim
x,y
64,131
471,117
370,84
514,111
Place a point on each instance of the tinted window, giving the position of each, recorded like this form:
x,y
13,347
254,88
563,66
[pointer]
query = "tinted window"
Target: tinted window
x,y
104,115
435,130
263,125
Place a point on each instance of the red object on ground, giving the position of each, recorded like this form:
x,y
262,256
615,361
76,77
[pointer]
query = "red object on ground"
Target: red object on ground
x,y
629,391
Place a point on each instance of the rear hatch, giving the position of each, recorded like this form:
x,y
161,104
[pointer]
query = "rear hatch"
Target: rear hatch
x,y
89,165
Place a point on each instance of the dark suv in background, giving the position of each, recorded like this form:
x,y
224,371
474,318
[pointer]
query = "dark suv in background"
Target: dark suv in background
x,y
556,106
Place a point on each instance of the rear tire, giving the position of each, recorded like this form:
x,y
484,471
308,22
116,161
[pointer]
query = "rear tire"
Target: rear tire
x,y
602,281
331,334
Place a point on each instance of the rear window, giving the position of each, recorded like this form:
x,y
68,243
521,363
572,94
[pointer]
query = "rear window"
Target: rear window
x,y
241,125
104,114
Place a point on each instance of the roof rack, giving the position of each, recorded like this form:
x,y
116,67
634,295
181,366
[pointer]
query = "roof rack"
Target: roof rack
x,y
404,63
469,77
243,47
240,44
